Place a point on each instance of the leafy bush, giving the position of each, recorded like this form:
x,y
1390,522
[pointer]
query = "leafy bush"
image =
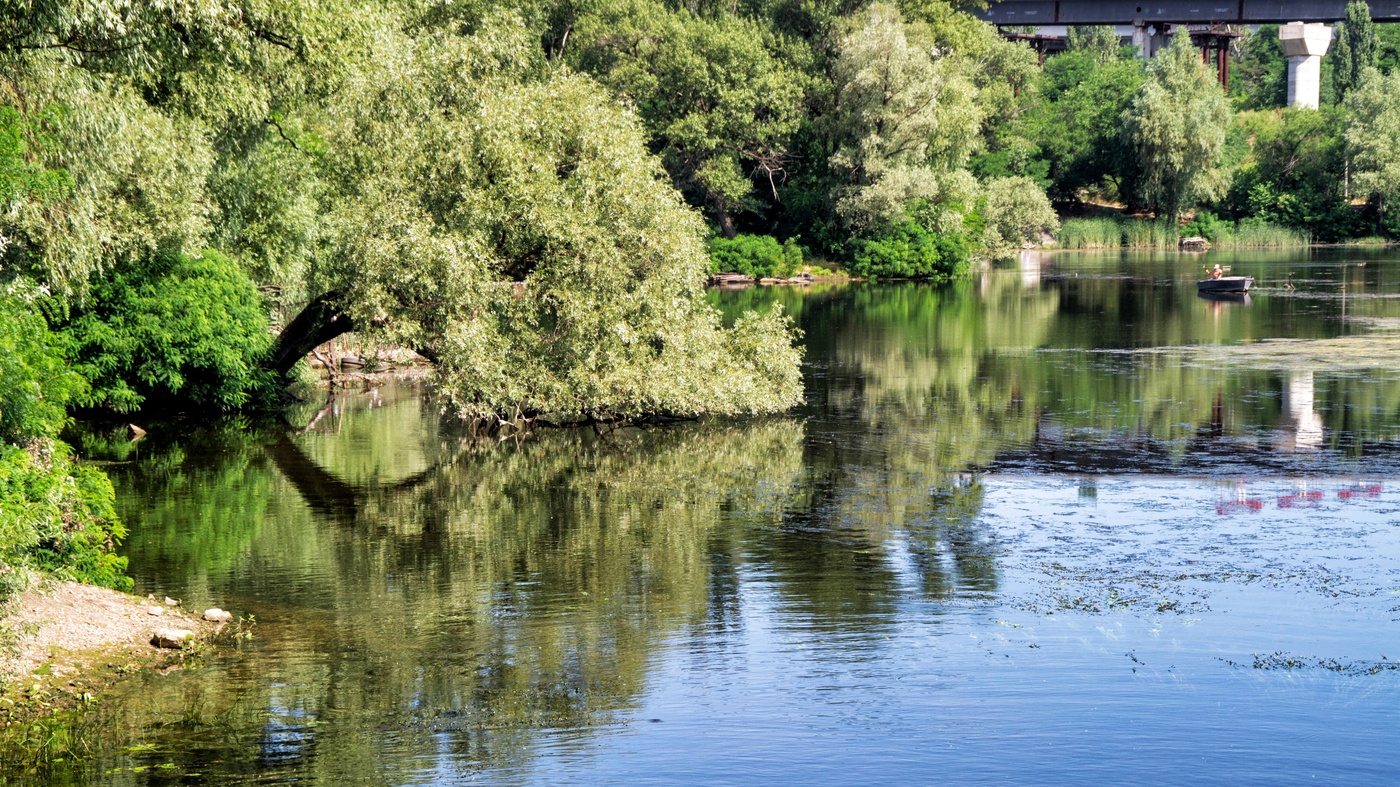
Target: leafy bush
x,y
35,382
1207,225
55,515
178,328
910,251
58,516
755,255
1014,212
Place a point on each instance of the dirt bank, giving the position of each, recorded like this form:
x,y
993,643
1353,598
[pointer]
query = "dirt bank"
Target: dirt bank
x,y
64,642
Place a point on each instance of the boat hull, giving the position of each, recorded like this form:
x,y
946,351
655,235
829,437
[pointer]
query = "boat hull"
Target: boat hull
x,y
1224,297
1226,284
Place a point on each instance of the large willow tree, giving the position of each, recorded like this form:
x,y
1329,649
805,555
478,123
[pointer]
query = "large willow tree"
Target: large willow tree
x,y
1176,125
417,172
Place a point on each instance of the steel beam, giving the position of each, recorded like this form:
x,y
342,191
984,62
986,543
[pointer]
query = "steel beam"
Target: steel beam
x,y
1126,12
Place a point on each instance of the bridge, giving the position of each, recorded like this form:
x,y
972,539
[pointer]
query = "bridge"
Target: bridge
x,y
1304,35
1221,12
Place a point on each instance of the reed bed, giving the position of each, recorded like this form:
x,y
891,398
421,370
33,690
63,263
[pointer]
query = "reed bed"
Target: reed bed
x,y
1101,233
1160,234
1118,232
1262,236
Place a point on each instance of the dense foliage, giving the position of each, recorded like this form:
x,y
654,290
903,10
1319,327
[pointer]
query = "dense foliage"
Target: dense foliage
x,y
1112,132
907,250
55,514
178,328
500,185
755,255
1176,127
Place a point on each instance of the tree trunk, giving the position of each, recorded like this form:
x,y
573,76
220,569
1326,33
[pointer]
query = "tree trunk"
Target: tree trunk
x,y
318,323
726,221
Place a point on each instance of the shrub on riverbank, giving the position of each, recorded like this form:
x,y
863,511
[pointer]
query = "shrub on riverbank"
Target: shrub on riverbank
x,y
176,327
909,251
755,255
55,515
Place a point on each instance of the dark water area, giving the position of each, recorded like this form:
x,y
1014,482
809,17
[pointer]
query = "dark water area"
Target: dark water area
x,y
1068,522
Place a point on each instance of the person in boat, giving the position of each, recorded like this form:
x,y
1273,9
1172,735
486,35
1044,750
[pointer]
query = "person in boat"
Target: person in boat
x,y
1217,272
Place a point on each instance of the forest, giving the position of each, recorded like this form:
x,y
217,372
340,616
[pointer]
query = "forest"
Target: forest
x,y
530,193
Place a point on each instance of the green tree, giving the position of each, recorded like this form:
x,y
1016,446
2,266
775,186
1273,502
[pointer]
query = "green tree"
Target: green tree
x,y
286,136
1079,128
1097,41
1015,212
1176,127
519,233
1354,49
717,97
905,123
1294,173
1259,76
1373,135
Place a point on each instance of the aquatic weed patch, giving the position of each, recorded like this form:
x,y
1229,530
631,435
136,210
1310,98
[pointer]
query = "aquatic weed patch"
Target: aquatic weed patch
x,y
1280,660
1103,589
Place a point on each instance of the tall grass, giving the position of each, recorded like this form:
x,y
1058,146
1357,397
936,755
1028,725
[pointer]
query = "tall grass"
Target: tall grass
x,y
1160,234
1101,233
1262,236
1118,232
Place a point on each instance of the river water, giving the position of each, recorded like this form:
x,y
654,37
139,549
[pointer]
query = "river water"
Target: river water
x,y
1068,522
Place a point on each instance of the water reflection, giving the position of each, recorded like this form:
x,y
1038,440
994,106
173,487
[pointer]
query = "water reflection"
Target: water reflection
x,y
1302,426
975,465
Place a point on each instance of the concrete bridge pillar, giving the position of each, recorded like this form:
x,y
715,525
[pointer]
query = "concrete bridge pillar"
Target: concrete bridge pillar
x,y
1304,45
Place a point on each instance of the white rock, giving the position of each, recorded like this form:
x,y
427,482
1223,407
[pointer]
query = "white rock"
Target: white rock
x,y
157,611
216,615
170,602
171,638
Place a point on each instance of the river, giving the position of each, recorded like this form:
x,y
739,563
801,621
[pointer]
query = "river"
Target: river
x,y
1066,522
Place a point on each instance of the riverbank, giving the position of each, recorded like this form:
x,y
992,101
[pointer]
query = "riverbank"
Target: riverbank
x,y
65,642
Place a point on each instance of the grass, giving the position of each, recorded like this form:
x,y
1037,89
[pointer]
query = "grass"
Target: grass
x,y
1262,236
1090,234
1160,234
1118,232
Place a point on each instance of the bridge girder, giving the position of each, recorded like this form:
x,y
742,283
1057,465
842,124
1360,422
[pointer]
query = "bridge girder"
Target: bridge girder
x,y
1127,12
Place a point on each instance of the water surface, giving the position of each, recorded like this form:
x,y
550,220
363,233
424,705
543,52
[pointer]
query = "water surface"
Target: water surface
x,y
1067,522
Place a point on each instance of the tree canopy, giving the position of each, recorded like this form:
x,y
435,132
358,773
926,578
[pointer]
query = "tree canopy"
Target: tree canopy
x,y
1372,132
1354,49
1176,126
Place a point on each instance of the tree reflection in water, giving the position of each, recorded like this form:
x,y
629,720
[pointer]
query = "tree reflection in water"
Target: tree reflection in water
x,y
429,602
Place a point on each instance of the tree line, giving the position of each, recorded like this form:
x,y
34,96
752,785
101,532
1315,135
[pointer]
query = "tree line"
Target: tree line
x,y
1161,138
